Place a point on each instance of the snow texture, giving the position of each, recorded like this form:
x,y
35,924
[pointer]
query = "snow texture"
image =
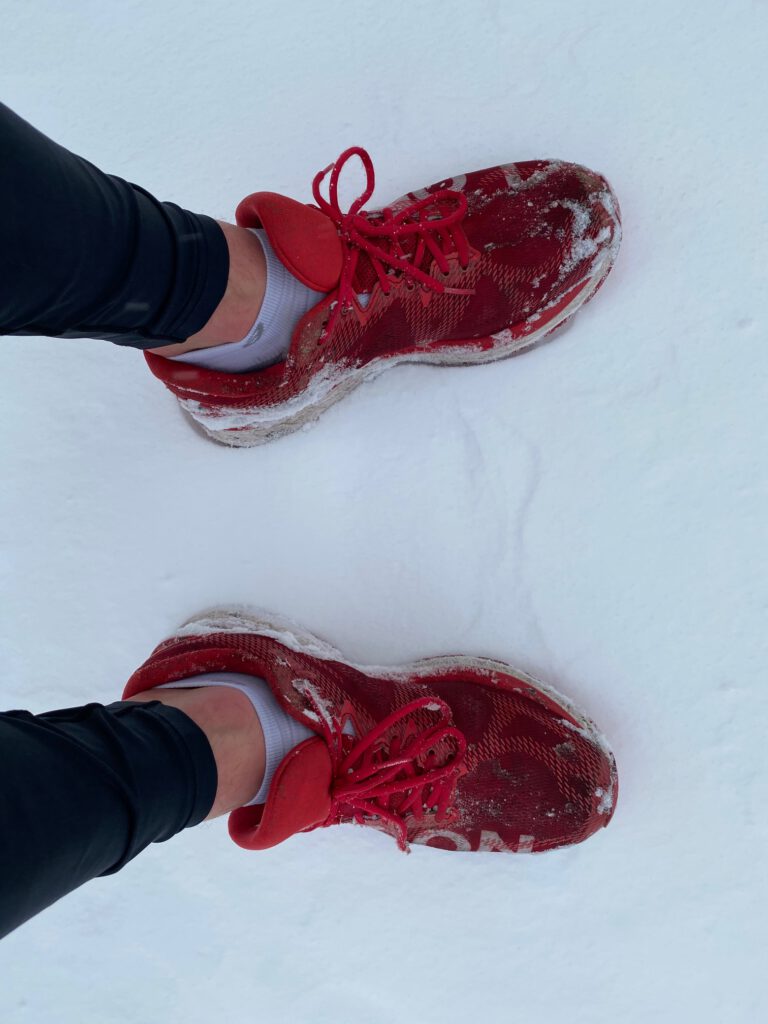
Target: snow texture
x,y
593,511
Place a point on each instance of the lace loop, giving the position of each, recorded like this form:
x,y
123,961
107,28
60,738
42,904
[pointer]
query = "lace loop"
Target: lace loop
x,y
382,237
398,769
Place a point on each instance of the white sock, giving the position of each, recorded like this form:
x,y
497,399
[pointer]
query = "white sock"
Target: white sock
x,y
281,732
286,301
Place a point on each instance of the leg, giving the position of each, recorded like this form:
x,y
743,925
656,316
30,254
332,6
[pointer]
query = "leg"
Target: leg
x,y
86,254
84,790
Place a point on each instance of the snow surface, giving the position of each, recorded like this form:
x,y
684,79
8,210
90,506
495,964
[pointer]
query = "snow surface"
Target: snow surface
x,y
593,511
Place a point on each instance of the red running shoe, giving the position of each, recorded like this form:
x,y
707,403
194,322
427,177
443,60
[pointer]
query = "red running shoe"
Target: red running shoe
x,y
475,268
457,753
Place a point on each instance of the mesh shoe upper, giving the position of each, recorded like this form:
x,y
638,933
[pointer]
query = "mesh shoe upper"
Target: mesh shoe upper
x,y
453,753
457,265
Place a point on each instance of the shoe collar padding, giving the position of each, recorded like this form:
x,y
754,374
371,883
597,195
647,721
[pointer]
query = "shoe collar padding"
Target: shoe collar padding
x,y
298,799
305,240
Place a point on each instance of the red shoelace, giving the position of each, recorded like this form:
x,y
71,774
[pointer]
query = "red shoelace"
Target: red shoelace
x,y
397,770
395,243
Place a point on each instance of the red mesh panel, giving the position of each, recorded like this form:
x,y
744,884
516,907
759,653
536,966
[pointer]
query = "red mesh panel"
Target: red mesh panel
x,y
534,229
535,776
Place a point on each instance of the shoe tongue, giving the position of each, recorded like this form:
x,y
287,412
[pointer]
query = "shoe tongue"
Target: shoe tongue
x,y
298,798
365,274
305,240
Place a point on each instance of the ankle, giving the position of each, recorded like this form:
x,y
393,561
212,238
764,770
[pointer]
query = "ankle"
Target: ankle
x,y
232,727
240,305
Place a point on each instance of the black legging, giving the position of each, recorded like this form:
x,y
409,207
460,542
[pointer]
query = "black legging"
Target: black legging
x,y
82,791
86,254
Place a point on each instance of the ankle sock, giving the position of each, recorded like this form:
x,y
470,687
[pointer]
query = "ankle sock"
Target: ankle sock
x,y
286,301
281,732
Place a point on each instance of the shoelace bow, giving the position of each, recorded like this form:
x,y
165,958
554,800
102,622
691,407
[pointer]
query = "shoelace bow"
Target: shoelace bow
x,y
381,236
394,771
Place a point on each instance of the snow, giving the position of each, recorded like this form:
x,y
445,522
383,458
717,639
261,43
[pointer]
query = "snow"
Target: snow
x,y
593,511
